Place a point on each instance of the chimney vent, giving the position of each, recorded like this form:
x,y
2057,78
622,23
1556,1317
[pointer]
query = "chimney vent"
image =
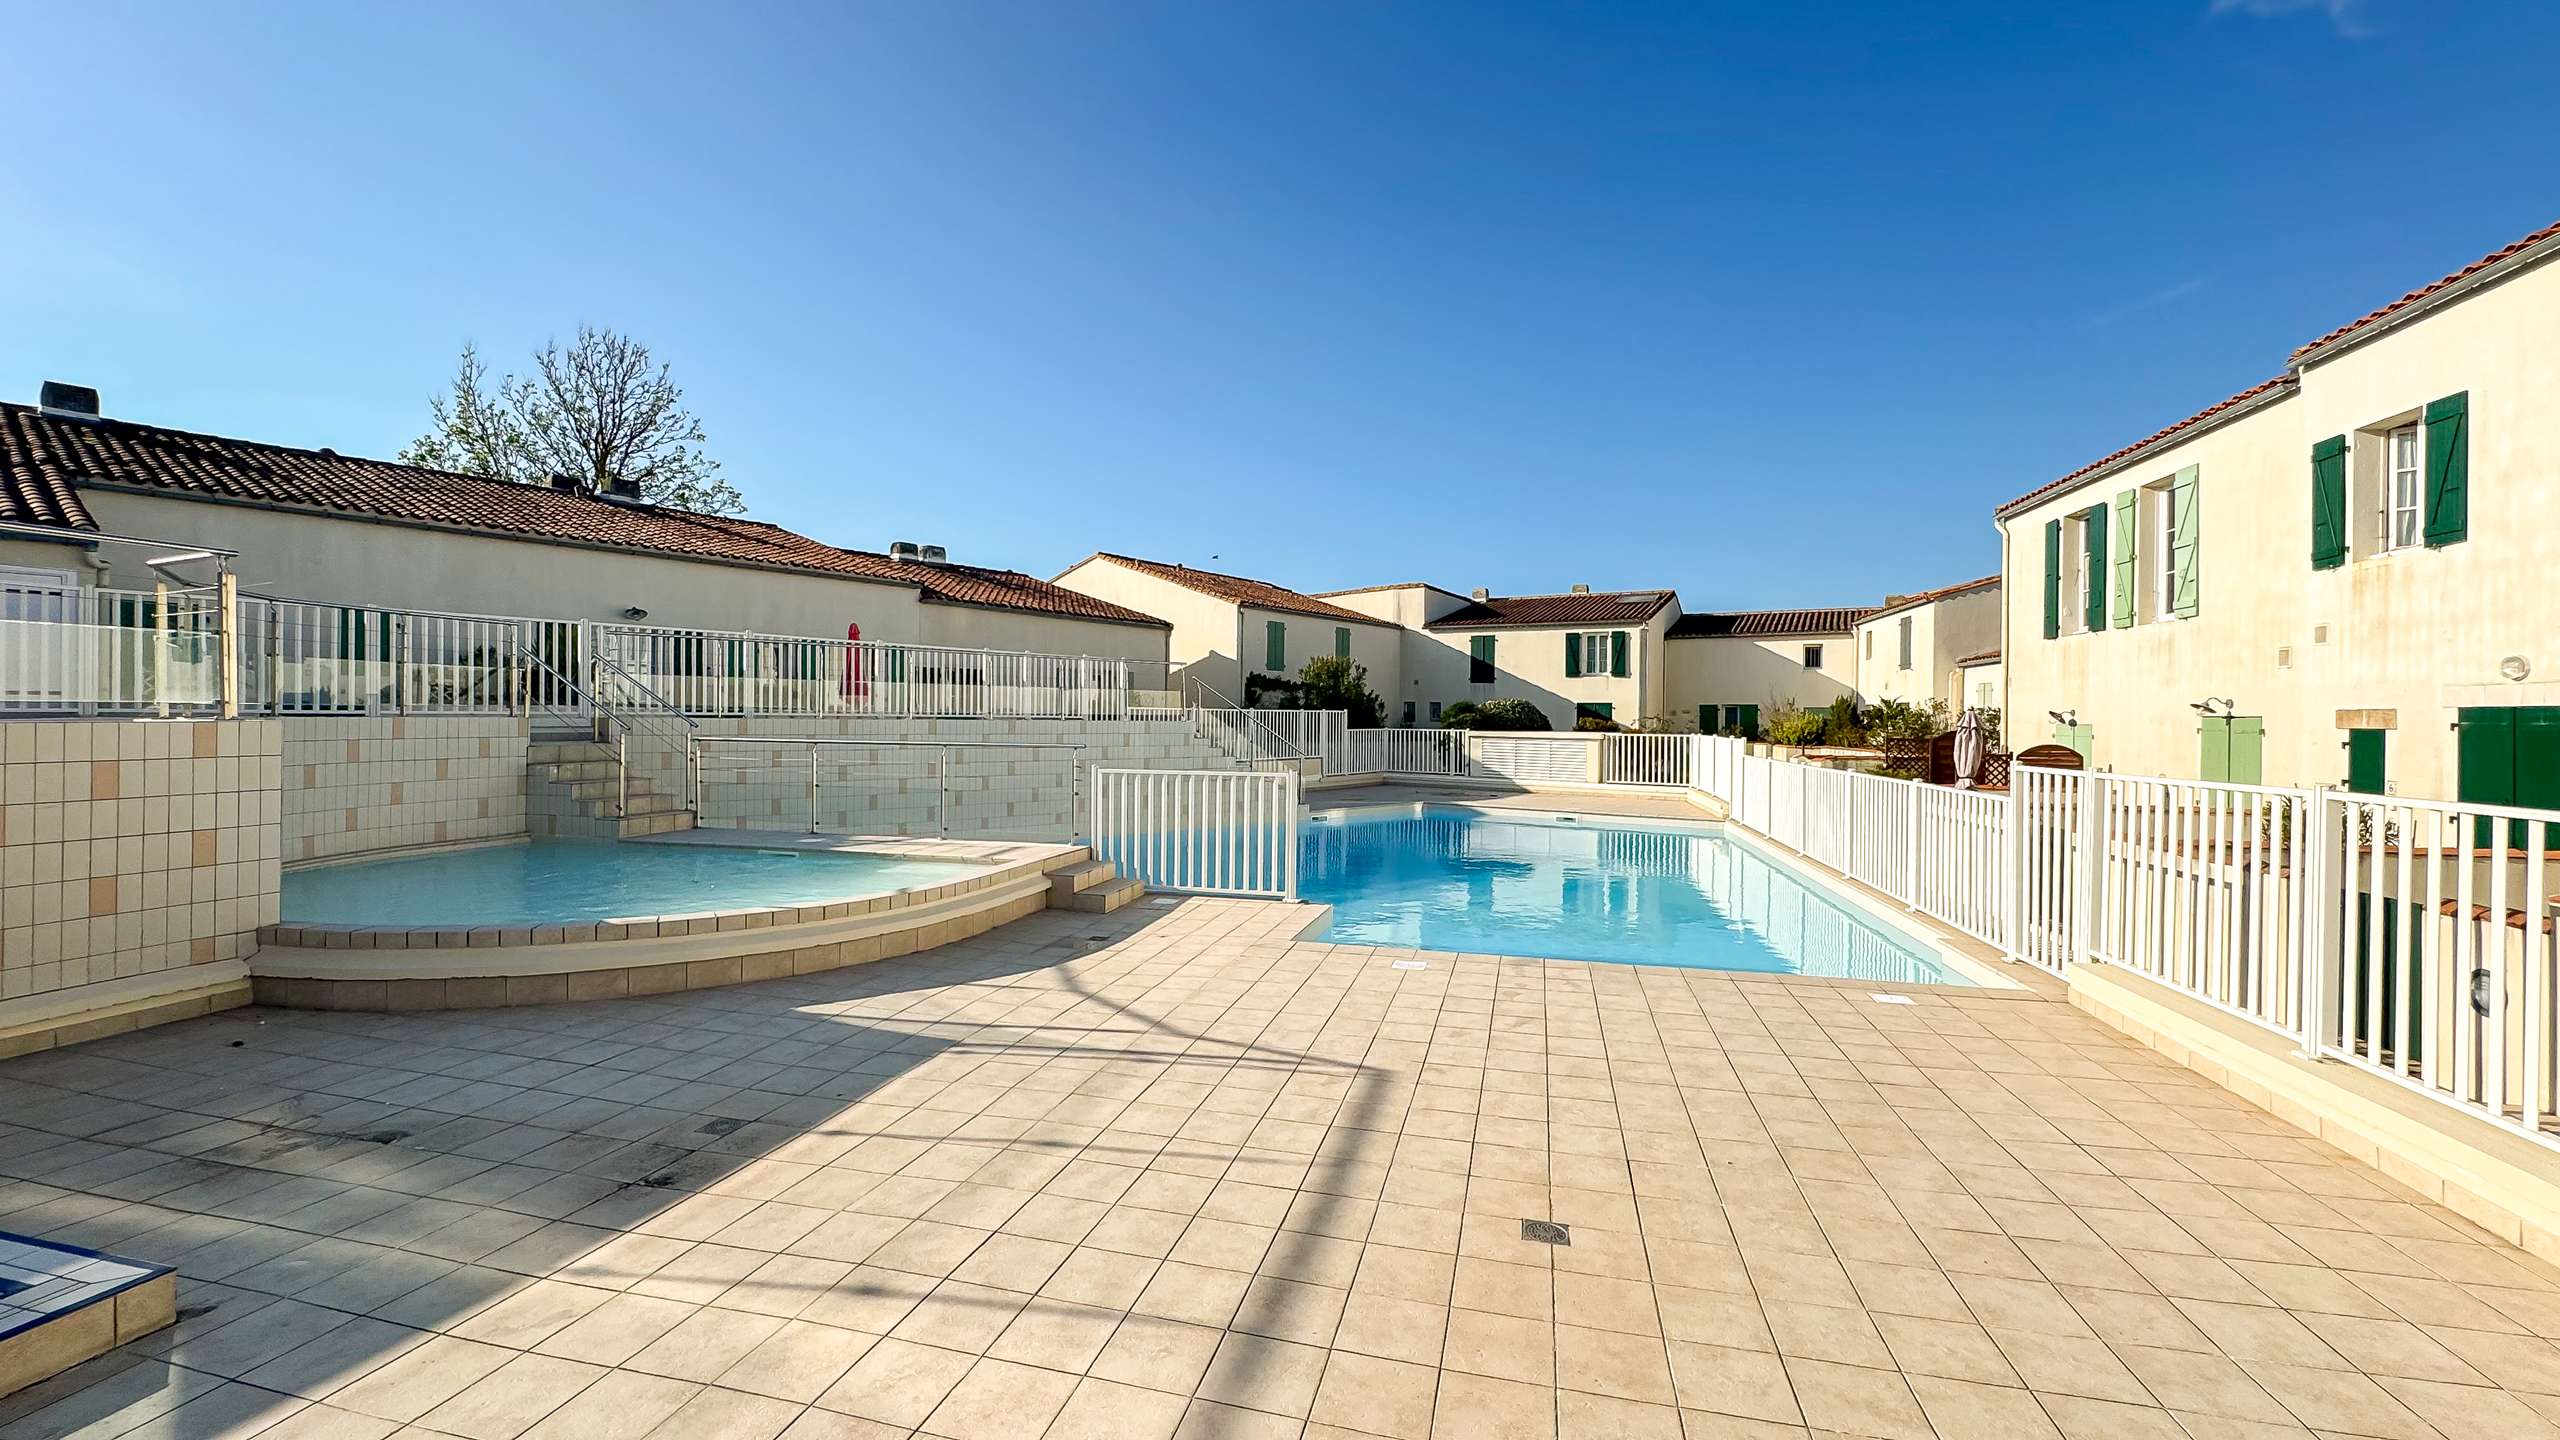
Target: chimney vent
x,y
903,551
1581,589
67,402
1479,594
933,555
563,482
622,488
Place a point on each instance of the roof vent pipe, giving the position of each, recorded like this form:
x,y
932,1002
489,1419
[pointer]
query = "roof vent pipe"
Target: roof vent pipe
x,y
1581,589
903,551
1479,594
933,555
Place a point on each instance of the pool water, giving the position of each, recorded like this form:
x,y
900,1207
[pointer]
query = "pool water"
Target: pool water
x,y
1562,889
578,882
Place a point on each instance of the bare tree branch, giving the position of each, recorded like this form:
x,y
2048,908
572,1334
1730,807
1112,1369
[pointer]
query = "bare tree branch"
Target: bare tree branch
x,y
600,410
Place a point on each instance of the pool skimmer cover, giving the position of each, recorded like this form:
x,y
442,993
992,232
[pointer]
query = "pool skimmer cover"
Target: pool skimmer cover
x,y
1889,999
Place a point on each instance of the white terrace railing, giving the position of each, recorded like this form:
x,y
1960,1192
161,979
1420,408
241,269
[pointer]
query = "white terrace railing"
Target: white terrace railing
x,y
708,672
2418,940
101,651
1399,752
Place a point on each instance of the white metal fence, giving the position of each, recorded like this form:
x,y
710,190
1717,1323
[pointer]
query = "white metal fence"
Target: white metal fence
x,y
1207,832
709,672
1402,752
2415,939
94,651
1645,759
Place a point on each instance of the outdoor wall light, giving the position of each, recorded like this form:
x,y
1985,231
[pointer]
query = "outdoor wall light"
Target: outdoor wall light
x,y
2515,667
634,612
2064,717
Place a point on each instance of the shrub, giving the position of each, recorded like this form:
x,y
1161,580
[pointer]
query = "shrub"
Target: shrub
x,y
1840,723
1333,682
1902,720
1495,715
1597,722
1791,726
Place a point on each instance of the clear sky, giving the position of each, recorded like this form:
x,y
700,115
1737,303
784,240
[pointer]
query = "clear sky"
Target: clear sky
x,y
1771,303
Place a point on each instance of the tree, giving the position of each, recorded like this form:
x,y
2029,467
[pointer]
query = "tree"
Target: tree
x,y
1335,682
599,411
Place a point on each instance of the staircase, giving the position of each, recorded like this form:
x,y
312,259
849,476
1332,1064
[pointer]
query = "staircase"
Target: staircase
x,y
574,788
1094,887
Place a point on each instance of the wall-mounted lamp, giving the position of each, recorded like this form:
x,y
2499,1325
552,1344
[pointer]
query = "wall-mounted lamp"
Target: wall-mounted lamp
x,y
634,612
2210,706
2064,717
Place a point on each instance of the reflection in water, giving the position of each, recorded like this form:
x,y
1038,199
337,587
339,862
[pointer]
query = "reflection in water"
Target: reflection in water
x,y
1537,886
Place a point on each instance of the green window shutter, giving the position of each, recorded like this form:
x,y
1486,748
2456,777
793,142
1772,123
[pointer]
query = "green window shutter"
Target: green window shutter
x,y
2052,579
1480,660
2537,767
2125,546
1618,653
2248,749
2486,756
2214,763
2366,761
1275,645
1706,719
2449,469
2188,516
2093,529
1573,655
1341,642
1749,720
2329,503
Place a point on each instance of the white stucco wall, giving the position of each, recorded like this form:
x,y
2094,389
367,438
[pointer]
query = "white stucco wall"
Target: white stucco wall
x,y
1942,632
2417,634
1529,665
1767,671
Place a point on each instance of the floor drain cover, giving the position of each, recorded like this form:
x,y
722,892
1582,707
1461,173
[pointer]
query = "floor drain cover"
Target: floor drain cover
x,y
1890,999
1545,1232
722,1126
1411,965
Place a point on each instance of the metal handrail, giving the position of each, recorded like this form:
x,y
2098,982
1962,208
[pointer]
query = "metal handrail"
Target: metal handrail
x,y
942,770
1287,749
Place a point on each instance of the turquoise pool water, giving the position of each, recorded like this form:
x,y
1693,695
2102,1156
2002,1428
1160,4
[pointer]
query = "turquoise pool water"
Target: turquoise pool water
x,y
1558,889
576,882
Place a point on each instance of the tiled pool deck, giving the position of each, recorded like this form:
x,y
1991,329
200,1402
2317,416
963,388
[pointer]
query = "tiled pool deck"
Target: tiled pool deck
x,y
1162,1172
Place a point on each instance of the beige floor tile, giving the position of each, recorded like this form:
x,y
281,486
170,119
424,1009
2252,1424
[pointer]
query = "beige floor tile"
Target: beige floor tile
x,y
961,1316
1581,1416
1056,1335
616,1330
797,1362
1392,1329
422,1379
1158,1354
1502,1347
1193,1293
1474,1407
1108,1410
1379,1397
1857,1401
1962,1407
623,1402
1255,1373
999,1400
704,1344
1287,1310
898,1383
513,1398
715,1414
1604,1362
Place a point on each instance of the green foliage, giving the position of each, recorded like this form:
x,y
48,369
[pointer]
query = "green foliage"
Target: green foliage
x,y
1789,725
1333,682
1902,720
1494,715
1990,719
599,411
1597,723
1281,692
1841,725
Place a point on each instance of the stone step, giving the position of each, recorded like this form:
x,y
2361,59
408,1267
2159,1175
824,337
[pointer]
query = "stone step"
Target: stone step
x,y
1067,883
1105,898
645,803
563,772
571,751
636,826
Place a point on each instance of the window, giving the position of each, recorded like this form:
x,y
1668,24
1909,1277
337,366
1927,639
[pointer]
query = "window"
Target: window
x,y
2402,465
1982,695
1813,657
1435,712
1594,710
1275,646
1408,714
1871,644
1595,652
1905,627
1480,660
1342,642
2164,551
2083,575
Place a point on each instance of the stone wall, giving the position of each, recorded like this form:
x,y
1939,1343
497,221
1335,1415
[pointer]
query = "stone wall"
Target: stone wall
x,y
132,852
358,784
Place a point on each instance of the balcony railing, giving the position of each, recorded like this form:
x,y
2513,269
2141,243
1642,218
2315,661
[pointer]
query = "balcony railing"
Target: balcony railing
x,y
710,672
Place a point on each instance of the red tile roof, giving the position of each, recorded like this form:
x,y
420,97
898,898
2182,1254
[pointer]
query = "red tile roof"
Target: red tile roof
x,y
1606,607
1931,597
2494,257
2276,388
1987,657
1835,620
1237,589
44,458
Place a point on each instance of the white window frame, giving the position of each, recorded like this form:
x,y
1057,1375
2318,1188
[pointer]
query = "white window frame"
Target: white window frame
x,y
1813,657
2156,508
2396,508
1595,655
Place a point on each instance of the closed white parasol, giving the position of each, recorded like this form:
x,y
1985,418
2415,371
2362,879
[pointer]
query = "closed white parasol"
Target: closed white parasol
x,y
1970,748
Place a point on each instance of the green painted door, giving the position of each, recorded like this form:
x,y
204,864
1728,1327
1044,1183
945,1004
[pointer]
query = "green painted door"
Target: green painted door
x,y
2510,755
2233,749
2367,761
1746,718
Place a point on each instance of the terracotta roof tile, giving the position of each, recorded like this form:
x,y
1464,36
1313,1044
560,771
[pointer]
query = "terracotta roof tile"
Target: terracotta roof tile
x,y
2422,292
2282,384
1239,589
1833,620
1931,597
1987,657
1606,607
44,458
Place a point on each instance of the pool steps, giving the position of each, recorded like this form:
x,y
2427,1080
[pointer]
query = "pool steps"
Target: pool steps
x,y
573,786
1095,887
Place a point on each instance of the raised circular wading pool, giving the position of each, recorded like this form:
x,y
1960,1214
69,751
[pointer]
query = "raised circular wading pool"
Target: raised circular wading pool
x,y
578,882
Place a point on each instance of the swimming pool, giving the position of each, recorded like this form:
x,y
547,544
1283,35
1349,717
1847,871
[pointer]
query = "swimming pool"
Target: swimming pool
x,y
573,882
1542,886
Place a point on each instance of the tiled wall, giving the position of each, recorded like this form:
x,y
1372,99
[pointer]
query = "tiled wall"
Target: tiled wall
x,y
359,784
992,793
133,847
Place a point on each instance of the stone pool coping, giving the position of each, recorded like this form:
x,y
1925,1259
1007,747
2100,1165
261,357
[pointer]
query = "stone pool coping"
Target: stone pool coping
x,y
442,967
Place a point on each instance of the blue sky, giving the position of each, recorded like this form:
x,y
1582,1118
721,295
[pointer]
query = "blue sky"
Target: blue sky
x,y
1769,303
